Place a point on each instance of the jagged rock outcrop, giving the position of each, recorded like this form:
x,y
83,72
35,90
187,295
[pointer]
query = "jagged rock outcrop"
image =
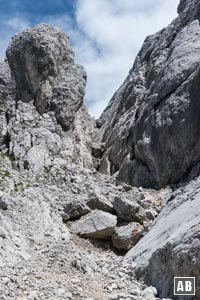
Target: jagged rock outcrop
x,y
45,121
44,126
151,125
42,62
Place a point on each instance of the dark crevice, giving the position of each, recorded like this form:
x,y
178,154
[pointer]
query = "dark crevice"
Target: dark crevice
x,y
148,54
6,140
113,168
31,140
144,164
186,175
137,114
2,81
131,145
7,117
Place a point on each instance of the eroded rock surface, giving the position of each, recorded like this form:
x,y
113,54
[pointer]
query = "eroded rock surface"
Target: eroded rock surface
x,y
97,225
151,125
7,101
42,62
126,236
171,247
129,210
75,209
46,117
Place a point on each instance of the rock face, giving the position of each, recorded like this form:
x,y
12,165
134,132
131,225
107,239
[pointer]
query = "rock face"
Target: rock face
x,y
151,125
44,128
42,62
46,119
96,225
7,95
171,247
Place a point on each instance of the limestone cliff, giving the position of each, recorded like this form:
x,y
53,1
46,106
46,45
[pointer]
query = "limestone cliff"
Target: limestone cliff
x,y
151,125
45,119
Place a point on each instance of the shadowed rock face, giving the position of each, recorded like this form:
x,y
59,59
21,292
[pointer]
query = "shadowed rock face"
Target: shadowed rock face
x,y
7,96
151,125
42,62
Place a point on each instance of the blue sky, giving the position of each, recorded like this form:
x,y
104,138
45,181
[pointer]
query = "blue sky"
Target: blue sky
x,y
106,34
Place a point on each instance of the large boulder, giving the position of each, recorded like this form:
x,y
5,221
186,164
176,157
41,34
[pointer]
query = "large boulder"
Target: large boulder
x,y
127,236
100,202
151,125
74,210
96,225
129,210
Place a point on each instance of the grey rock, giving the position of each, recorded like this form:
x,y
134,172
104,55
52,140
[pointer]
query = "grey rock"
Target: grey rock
x,y
97,150
128,210
150,292
100,202
75,209
96,225
7,102
151,214
172,245
127,236
46,118
42,62
127,187
105,165
145,127
47,139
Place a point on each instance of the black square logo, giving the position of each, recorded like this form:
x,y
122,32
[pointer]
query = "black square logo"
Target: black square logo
x,y
184,286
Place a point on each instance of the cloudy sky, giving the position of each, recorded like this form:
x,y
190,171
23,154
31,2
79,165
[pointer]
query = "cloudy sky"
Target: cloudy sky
x,y
106,34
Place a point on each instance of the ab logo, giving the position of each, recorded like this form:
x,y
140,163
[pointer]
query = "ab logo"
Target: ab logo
x,y
184,286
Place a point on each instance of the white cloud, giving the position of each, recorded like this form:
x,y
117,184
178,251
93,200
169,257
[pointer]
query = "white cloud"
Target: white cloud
x,y
17,24
106,37
11,26
111,33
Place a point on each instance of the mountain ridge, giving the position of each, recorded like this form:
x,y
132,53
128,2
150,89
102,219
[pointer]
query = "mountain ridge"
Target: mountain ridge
x,y
91,209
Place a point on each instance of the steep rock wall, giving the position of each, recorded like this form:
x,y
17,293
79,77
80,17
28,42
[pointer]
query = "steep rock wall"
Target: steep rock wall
x,y
151,125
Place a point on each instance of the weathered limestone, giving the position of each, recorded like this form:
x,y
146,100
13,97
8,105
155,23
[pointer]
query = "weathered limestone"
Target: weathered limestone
x,y
151,125
97,225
